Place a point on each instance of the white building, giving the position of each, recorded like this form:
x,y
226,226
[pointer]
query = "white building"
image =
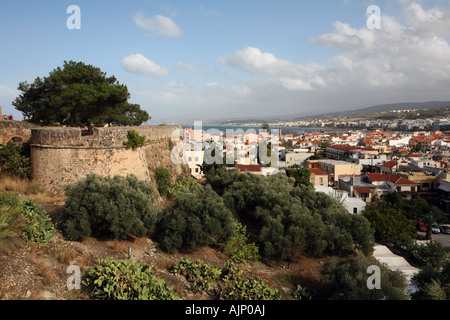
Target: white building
x,y
352,204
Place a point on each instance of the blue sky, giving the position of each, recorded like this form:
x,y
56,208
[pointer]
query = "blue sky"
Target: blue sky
x,y
216,59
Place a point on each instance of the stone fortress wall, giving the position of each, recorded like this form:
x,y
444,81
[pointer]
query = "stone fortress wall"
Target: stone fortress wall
x,y
18,131
61,156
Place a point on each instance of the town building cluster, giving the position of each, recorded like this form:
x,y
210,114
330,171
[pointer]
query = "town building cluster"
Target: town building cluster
x,y
355,166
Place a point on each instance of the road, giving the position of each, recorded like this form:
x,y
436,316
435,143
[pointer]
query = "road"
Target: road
x,y
443,239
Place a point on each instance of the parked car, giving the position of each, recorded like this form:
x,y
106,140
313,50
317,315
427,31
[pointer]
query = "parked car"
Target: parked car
x,y
421,227
445,228
435,228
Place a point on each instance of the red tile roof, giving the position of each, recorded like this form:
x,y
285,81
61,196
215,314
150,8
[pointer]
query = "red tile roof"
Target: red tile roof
x,y
317,172
362,190
390,177
390,164
249,168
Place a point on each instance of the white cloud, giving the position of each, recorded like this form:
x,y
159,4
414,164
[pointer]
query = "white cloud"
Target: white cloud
x,y
291,75
138,64
398,57
159,26
407,60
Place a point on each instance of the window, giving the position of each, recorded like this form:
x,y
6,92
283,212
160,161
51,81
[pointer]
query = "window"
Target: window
x,y
355,210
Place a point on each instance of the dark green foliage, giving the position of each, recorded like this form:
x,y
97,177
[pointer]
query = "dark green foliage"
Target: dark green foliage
x,y
78,95
433,282
125,280
163,180
301,175
346,279
389,222
15,161
108,207
134,140
220,178
287,221
418,253
196,218
39,227
395,217
182,184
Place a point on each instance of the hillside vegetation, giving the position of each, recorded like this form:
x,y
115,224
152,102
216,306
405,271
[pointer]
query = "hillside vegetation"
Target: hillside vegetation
x,y
233,236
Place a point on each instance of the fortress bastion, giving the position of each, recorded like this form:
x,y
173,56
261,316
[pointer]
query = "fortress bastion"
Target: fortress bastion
x,y
61,156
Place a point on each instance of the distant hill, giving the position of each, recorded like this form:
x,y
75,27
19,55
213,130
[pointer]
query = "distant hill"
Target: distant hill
x,y
349,114
376,109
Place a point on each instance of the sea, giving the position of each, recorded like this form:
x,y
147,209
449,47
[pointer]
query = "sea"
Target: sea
x,y
283,130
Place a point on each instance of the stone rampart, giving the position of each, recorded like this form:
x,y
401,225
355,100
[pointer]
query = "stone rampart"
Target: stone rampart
x,y
18,131
61,156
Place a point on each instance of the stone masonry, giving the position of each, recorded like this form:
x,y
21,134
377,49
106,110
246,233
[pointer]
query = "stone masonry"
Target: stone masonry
x,y
61,156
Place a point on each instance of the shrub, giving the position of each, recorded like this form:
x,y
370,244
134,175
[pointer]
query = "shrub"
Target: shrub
x,y
23,216
196,218
288,221
237,286
346,279
231,283
15,161
200,274
301,293
238,247
433,283
11,223
389,222
39,227
134,140
163,180
125,280
418,253
181,185
9,199
108,207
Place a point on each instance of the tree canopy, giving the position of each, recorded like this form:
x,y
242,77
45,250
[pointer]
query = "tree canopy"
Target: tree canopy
x,y
78,95
287,220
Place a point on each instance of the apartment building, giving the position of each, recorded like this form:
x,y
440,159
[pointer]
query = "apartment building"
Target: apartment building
x,y
334,169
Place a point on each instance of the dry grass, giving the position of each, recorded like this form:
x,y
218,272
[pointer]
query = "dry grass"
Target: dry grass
x,y
14,184
66,256
44,270
86,260
19,185
120,246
